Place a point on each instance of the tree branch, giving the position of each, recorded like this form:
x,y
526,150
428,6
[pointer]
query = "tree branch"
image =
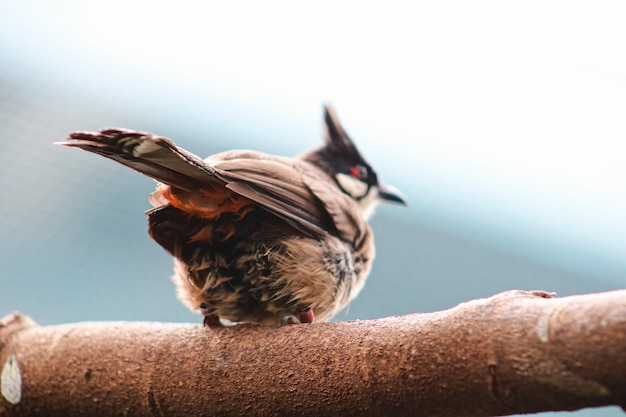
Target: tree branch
x,y
516,352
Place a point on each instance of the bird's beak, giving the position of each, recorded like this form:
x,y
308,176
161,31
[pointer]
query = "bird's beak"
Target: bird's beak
x,y
391,194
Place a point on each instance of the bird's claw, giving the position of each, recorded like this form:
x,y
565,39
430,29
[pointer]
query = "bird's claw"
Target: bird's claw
x,y
305,316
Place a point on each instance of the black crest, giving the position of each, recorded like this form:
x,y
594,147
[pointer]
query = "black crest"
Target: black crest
x,y
337,140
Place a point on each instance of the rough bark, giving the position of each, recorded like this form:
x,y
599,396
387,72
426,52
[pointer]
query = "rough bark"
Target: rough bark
x,y
516,352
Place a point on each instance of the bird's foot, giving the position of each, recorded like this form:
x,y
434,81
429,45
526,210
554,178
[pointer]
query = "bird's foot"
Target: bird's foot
x,y
305,316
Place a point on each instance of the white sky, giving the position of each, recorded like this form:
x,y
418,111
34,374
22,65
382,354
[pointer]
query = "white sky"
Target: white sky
x,y
508,113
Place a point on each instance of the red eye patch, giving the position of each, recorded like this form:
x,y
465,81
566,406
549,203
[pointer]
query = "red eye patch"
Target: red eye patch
x,y
358,171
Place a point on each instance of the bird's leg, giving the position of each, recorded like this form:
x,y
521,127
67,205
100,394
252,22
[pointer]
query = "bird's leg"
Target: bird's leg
x,y
306,316
212,321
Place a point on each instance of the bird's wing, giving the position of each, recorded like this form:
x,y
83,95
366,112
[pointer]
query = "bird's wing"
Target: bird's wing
x,y
294,188
277,185
342,209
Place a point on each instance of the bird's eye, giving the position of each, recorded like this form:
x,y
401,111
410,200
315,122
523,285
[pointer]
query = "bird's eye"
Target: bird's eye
x,y
358,171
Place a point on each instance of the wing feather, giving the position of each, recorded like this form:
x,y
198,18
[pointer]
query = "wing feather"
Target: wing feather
x,y
299,189
278,186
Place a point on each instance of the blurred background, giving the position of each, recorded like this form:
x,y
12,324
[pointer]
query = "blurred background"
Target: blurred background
x,y
502,122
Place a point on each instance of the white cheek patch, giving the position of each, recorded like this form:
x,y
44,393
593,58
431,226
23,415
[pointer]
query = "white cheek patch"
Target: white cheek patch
x,y
357,189
368,204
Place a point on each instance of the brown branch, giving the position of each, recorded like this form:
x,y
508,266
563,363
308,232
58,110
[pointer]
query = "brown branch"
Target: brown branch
x,y
517,352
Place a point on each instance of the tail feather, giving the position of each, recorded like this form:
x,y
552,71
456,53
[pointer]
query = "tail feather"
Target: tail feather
x,y
151,155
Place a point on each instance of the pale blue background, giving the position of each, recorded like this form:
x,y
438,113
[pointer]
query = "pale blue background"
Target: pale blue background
x,y
502,122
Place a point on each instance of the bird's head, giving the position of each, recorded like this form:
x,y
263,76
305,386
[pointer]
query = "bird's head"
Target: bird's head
x,y
340,158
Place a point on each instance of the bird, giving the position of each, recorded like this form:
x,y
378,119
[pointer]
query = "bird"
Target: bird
x,y
257,238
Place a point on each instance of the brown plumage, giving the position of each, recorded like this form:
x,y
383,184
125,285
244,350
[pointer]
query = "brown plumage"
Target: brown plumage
x,y
256,237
